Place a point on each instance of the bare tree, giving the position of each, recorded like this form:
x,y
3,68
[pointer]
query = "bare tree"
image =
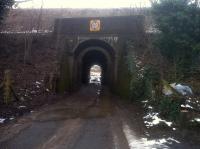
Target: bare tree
x,y
28,41
39,22
30,31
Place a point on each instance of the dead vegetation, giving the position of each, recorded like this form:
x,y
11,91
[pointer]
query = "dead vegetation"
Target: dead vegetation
x,y
26,82
18,20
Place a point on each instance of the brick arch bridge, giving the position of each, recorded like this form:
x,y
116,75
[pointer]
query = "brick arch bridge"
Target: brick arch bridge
x,y
83,42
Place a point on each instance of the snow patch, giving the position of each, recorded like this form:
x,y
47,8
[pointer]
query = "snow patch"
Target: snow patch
x,y
145,101
152,119
197,119
145,143
2,120
150,107
11,118
187,106
38,83
20,107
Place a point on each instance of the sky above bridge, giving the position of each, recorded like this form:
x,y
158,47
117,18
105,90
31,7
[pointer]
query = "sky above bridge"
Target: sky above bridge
x,y
84,3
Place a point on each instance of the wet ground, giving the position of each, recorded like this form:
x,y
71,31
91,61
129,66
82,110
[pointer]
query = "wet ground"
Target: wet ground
x,y
90,119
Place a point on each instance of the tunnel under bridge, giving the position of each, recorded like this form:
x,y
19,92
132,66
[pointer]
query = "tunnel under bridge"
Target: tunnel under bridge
x,y
102,41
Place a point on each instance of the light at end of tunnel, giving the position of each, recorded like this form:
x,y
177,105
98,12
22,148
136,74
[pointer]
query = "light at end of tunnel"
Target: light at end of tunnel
x,y
95,75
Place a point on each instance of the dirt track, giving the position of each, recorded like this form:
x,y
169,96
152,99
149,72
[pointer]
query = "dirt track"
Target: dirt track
x,y
87,120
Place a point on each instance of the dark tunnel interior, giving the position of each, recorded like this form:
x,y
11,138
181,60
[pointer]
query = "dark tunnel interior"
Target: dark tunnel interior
x,y
91,58
94,52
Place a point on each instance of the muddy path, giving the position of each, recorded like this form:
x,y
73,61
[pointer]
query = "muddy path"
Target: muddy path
x,y
90,119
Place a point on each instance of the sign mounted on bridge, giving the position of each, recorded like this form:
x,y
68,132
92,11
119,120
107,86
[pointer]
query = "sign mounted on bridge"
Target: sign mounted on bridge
x,y
95,25
116,25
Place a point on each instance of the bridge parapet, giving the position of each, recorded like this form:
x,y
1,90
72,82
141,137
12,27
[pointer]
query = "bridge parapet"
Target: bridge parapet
x,y
118,25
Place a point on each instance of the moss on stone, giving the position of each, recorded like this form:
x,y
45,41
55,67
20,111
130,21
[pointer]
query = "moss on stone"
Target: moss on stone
x,y
64,83
122,88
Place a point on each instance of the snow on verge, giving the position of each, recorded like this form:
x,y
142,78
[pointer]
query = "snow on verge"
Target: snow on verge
x,y
2,120
152,119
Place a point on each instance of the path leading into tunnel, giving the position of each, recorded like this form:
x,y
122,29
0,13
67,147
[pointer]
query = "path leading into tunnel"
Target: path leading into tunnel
x,y
89,119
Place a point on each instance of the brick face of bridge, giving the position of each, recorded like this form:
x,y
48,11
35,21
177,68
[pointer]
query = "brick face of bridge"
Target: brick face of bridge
x,y
80,47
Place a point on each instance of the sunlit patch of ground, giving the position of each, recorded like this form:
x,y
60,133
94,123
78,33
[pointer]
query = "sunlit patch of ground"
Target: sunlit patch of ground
x,y
146,143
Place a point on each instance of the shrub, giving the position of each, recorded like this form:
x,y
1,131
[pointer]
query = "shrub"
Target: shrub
x,y
178,22
169,108
4,5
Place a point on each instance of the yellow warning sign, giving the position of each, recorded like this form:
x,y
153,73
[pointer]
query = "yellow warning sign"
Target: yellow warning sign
x,y
95,25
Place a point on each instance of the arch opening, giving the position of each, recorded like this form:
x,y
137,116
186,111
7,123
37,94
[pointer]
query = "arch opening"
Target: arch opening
x,y
94,53
94,43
